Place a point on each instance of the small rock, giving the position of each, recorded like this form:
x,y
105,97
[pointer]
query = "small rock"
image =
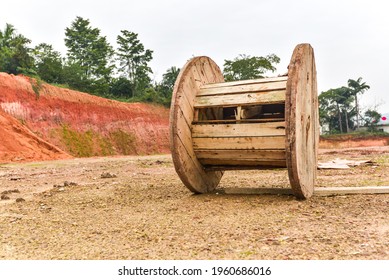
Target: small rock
x,y
20,199
4,197
106,175
62,189
65,184
15,179
69,184
11,191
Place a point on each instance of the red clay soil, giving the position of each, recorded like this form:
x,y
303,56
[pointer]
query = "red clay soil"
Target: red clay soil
x,y
68,119
19,144
353,142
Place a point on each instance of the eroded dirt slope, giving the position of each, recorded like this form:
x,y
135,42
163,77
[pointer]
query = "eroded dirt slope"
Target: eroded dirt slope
x,y
82,124
19,144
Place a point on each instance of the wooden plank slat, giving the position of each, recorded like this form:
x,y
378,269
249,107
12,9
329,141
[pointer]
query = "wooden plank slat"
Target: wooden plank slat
x,y
242,130
323,191
255,191
240,143
246,82
240,121
329,191
240,167
245,162
239,89
241,154
253,98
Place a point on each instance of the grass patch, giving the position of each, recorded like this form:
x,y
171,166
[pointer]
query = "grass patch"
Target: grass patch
x,y
124,142
382,160
66,86
356,135
79,144
91,143
36,85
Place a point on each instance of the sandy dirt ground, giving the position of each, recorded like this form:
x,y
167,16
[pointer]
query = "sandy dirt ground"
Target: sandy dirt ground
x,y
137,208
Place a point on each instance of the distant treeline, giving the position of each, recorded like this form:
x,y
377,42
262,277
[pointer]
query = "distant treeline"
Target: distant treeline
x,y
92,65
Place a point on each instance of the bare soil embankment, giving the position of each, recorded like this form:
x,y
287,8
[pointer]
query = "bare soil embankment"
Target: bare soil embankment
x,y
81,124
353,141
19,144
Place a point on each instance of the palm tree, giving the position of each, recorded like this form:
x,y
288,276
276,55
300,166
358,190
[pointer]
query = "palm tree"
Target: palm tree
x,y
357,87
169,78
7,35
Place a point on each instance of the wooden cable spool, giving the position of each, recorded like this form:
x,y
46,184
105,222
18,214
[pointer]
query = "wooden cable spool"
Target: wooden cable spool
x,y
253,124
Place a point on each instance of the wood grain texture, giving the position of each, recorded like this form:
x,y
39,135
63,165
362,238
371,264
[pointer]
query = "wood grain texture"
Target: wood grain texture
x,y
238,130
264,155
196,72
242,158
301,114
240,121
240,143
245,82
331,191
239,89
252,98
243,164
323,191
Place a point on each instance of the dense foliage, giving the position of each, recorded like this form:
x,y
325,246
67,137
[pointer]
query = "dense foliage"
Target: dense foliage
x,y
246,67
91,63
339,110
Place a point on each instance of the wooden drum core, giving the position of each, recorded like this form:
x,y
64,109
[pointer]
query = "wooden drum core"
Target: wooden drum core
x,y
240,125
253,124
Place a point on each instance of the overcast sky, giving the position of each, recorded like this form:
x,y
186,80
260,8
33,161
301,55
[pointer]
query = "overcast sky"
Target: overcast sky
x,y
350,37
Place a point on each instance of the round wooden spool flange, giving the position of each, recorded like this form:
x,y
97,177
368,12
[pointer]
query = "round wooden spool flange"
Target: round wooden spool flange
x,y
196,72
301,121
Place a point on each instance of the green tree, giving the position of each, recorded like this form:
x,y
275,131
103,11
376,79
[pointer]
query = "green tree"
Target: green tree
x,y
372,117
15,54
48,63
6,37
357,87
121,87
335,109
245,67
133,59
329,111
344,98
73,75
153,96
92,53
168,80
